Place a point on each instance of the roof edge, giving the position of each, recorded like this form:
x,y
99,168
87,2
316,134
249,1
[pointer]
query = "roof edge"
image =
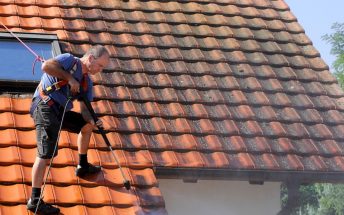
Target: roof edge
x,y
253,176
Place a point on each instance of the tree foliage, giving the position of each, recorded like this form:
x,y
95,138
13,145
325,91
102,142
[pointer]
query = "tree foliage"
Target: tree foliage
x,y
336,40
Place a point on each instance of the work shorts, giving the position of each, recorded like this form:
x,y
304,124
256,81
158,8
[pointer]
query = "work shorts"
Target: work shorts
x,y
47,123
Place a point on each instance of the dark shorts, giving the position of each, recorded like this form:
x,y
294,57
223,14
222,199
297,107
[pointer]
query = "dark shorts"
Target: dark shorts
x,y
47,123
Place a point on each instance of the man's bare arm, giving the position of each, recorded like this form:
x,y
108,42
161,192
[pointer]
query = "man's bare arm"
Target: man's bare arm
x,y
53,68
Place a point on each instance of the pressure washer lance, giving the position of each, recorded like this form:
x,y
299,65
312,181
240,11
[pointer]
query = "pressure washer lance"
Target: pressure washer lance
x,y
126,183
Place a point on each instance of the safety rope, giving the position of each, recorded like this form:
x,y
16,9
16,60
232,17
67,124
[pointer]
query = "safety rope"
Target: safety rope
x,y
37,57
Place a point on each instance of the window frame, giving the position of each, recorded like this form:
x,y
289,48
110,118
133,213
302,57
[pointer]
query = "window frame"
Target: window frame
x,y
18,86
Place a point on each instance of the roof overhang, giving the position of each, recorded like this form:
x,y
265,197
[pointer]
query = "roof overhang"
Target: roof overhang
x,y
253,176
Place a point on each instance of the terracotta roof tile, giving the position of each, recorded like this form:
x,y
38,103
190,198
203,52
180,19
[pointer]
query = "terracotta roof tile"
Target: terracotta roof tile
x,y
311,115
50,12
303,101
154,5
241,161
184,142
106,159
227,127
175,109
324,102
11,174
107,4
66,174
282,145
95,195
137,210
249,11
10,21
266,161
293,87
210,143
297,130
279,99
74,13
9,9
31,22
329,147
286,73
288,114
319,131
133,5
259,98
149,197
242,112
17,209
27,139
112,177
139,159
11,194
144,177
159,141
301,39
262,34
219,111
165,158
97,210
74,25
9,137
240,57
222,31
169,41
196,110
212,8
65,156
189,159
290,162
58,194
119,27
27,10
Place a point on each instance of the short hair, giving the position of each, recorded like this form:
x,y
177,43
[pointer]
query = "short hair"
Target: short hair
x,y
97,51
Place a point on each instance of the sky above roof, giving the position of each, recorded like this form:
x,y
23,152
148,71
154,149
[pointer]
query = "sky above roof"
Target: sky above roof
x,y
317,17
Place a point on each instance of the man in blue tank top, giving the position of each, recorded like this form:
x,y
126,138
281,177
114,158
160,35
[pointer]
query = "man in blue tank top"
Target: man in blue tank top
x,y
49,101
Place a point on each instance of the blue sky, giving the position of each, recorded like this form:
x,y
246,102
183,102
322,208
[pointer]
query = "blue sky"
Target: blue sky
x,y
317,17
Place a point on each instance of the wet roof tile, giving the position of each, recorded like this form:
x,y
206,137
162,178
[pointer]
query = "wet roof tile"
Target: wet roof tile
x,y
121,197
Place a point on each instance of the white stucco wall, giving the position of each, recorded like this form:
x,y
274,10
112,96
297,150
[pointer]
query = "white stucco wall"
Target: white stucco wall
x,y
208,197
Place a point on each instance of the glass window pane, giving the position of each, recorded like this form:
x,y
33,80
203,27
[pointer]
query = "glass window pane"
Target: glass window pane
x,y
16,61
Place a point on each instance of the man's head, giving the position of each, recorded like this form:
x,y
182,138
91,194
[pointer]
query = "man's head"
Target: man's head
x,y
96,59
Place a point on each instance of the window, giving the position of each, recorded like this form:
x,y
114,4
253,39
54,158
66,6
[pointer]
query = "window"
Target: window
x,y
17,61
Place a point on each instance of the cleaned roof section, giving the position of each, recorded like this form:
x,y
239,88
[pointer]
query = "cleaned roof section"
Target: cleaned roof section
x,y
225,85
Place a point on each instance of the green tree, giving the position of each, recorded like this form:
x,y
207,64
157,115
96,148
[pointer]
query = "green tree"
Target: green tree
x,y
336,39
331,200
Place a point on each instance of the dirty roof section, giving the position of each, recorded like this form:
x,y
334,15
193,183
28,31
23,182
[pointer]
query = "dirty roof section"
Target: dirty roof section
x,y
197,88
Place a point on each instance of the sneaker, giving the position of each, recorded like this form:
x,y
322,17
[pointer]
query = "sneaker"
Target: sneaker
x,y
84,171
43,208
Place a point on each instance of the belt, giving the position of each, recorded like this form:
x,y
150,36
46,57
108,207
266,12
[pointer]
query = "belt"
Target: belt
x,y
51,103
